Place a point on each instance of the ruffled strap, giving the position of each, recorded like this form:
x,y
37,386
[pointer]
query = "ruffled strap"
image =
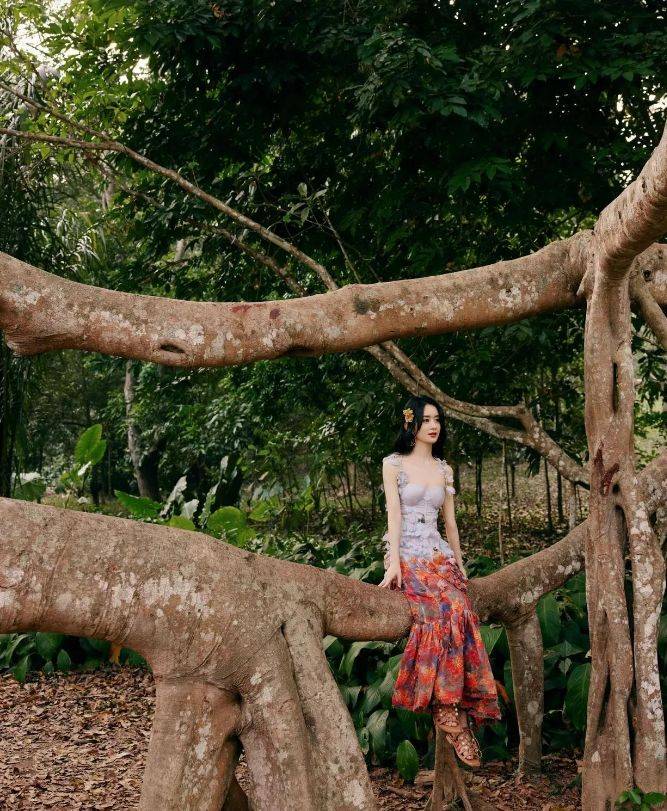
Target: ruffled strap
x,y
449,476
393,459
396,459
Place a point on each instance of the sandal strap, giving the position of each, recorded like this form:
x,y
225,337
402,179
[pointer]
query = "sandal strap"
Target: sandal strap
x,y
468,743
447,714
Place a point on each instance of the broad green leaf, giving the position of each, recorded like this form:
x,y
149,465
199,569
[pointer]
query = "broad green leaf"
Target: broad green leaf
x,y
189,508
264,509
31,487
407,760
181,522
230,524
208,503
175,496
490,636
350,693
20,670
138,506
379,691
549,617
565,648
576,697
332,646
48,644
100,645
355,649
377,727
90,447
63,662
10,644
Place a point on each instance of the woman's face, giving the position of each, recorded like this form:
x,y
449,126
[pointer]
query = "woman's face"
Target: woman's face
x,y
429,430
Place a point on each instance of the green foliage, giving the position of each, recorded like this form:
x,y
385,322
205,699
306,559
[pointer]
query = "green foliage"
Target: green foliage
x,y
139,507
576,697
636,798
407,760
231,524
228,523
49,652
89,451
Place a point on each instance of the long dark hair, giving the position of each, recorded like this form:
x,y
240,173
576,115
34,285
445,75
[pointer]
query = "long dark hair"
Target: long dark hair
x,y
405,441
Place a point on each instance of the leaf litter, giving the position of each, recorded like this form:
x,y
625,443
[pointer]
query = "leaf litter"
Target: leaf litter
x,y
78,740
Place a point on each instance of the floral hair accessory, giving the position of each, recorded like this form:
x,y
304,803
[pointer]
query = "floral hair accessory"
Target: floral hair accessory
x,y
409,414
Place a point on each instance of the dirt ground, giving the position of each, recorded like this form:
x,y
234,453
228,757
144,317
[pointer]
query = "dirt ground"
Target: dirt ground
x,y
79,741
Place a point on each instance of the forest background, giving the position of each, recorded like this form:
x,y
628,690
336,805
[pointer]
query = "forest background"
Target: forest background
x,y
387,140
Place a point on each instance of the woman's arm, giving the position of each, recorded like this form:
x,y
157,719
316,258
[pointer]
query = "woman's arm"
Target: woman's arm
x,y
393,535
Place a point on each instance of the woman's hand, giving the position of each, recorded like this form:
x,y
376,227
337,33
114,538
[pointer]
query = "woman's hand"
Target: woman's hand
x,y
392,574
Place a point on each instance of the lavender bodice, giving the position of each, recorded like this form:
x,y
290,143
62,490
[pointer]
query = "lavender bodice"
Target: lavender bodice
x,y
419,514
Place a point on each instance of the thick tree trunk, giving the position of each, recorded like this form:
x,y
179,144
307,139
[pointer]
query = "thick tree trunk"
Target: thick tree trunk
x,y
625,729
234,641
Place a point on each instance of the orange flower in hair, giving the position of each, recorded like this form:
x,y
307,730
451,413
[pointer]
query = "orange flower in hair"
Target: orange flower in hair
x,y
409,414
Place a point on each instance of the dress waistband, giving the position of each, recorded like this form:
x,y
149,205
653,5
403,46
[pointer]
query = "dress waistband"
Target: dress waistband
x,y
420,516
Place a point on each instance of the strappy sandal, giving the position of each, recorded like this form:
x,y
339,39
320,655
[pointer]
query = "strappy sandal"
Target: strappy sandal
x,y
447,717
466,746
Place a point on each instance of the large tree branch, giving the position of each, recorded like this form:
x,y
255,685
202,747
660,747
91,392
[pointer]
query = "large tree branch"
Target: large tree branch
x,y
637,217
40,312
226,629
497,304
653,315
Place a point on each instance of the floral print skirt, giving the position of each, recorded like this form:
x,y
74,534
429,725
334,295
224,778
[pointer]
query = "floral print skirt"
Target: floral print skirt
x,y
444,661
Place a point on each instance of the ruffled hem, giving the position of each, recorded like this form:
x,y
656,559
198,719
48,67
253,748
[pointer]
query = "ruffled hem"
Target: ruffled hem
x,y
447,663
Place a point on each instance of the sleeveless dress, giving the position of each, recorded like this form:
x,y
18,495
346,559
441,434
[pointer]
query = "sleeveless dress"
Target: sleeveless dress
x,y
444,661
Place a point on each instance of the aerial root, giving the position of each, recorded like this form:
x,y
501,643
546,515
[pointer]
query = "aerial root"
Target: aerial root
x,y
275,739
527,660
193,747
341,775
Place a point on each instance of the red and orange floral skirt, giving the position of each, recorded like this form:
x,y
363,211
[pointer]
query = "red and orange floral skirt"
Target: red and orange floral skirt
x,y
445,661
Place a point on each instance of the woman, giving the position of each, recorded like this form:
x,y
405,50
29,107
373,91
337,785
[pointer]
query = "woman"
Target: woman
x,y
445,668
